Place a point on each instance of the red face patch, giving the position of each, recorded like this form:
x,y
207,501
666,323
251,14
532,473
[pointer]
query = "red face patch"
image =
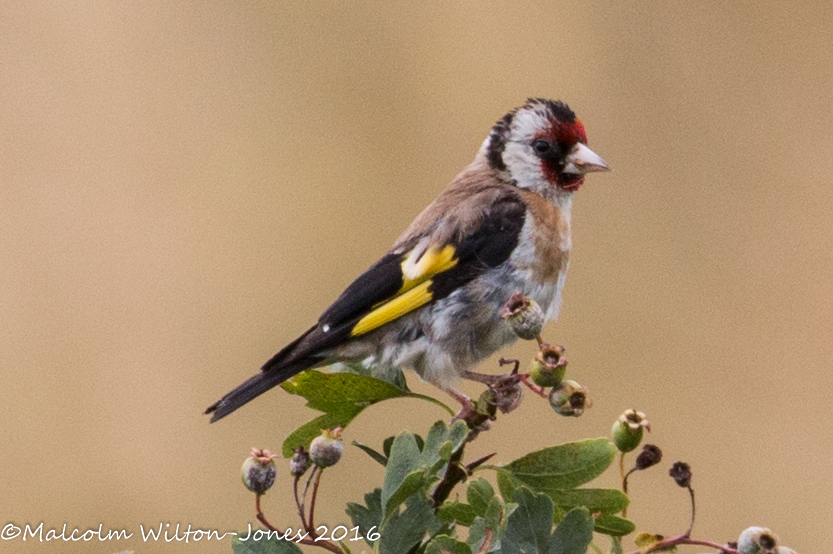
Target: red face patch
x,y
564,135
567,134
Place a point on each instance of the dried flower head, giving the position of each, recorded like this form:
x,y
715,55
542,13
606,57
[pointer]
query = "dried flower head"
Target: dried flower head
x,y
681,473
300,462
650,456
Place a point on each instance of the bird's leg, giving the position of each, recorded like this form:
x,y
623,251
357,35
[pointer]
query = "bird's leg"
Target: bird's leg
x,y
493,380
481,377
505,391
523,377
466,405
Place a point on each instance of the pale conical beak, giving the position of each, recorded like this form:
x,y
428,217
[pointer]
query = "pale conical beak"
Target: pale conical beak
x,y
582,160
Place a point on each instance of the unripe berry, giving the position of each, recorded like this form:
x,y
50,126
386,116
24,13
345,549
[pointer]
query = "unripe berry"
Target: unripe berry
x,y
325,449
569,399
549,366
628,429
258,471
524,315
757,540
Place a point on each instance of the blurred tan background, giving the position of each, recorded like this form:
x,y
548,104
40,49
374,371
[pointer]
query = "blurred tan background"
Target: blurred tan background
x,y
185,186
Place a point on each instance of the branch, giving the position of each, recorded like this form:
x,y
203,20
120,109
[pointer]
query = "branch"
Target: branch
x,y
327,545
671,542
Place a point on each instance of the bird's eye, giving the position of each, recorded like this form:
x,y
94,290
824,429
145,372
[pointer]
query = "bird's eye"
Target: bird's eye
x,y
542,146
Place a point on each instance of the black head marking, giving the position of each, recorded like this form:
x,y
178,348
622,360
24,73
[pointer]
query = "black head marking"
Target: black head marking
x,y
497,141
558,109
500,132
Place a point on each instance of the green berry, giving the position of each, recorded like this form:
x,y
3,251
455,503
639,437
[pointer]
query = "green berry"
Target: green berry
x,y
549,366
627,431
524,315
569,399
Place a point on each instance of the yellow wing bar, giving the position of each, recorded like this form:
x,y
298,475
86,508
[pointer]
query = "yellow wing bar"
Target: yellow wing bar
x,y
417,271
432,261
396,307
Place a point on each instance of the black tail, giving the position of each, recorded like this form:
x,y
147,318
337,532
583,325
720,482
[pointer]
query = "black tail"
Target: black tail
x,y
256,386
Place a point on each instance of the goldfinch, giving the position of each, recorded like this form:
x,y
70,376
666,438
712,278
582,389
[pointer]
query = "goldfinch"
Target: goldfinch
x,y
433,302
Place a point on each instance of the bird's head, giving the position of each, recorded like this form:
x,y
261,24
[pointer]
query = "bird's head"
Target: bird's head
x,y
542,146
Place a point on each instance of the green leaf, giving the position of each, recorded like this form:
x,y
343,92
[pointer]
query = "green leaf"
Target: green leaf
x,y
262,545
573,534
438,436
613,525
341,396
377,456
478,494
386,445
413,483
303,435
496,513
477,535
407,529
460,512
596,500
394,375
369,516
506,484
404,460
443,544
565,466
616,546
491,527
530,525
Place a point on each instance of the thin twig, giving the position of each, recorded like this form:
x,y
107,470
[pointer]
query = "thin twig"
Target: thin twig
x,y
298,502
671,542
314,497
693,511
685,538
625,486
622,466
624,479
327,545
304,501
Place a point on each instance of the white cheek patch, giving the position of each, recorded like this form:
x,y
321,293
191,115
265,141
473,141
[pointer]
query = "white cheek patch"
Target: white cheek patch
x,y
524,166
518,156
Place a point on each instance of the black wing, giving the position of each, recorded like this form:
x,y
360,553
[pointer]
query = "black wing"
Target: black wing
x,y
395,285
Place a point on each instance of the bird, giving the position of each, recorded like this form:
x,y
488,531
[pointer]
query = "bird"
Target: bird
x,y
432,303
